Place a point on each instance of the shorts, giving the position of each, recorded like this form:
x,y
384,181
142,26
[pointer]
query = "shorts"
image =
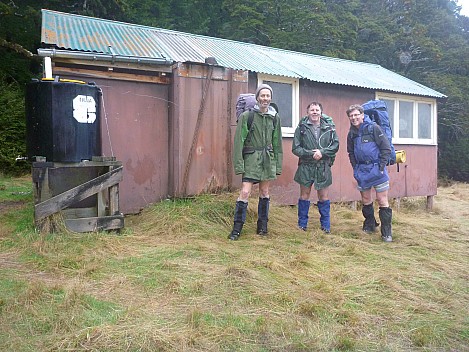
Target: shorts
x,y
247,179
378,188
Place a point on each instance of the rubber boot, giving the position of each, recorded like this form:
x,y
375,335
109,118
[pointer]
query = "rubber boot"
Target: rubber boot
x,y
303,210
385,216
369,225
324,208
262,216
239,219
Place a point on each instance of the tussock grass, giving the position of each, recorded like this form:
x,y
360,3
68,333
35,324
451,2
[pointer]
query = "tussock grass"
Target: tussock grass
x,y
171,281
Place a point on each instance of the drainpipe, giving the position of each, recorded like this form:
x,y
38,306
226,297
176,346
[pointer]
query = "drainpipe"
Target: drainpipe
x,y
65,54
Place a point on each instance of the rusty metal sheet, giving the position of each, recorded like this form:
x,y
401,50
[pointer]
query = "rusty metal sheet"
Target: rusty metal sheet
x,y
152,129
207,166
135,130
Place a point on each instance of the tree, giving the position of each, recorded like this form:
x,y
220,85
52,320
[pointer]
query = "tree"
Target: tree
x,y
424,40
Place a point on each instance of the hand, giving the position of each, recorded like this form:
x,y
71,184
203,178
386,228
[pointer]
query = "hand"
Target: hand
x,y
317,155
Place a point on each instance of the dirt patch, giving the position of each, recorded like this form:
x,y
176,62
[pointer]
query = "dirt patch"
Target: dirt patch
x,y
9,261
10,205
453,202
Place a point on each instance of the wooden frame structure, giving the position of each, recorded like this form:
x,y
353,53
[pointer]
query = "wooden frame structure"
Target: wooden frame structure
x,y
85,193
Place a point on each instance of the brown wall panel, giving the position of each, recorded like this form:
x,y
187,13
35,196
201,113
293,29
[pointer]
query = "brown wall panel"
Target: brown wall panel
x,y
134,125
202,151
137,116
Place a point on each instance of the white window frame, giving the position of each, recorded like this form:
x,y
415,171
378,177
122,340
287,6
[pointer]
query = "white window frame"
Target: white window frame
x,y
415,101
295,115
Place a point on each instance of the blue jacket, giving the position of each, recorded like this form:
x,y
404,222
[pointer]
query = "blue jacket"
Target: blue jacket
x,y
368,149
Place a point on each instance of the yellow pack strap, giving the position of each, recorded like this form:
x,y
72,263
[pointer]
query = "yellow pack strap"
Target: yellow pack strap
x,y
71,81
64,80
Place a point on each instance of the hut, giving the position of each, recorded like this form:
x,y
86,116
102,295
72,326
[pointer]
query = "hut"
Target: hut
x,y
168,106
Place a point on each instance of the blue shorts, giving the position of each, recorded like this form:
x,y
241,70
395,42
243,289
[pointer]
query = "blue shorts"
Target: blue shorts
x,y
379,188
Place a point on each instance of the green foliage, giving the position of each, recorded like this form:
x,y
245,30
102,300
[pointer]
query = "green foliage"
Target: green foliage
x,y
454,159
426,41
13,128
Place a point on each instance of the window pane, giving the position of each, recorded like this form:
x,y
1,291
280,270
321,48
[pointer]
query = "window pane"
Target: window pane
x,y
390,106
425,120
405,119
282,96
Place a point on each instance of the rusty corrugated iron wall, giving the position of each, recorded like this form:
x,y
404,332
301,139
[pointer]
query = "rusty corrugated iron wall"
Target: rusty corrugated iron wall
x,y
212,155
135,130
202,129
175,139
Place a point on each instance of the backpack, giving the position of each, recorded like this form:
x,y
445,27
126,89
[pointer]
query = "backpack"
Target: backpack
x,y
246,102
378,113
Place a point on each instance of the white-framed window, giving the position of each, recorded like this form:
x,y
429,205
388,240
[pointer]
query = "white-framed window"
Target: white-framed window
x,y
286,96
413,119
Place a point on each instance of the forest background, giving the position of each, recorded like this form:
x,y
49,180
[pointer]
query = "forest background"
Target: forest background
x,y
424,40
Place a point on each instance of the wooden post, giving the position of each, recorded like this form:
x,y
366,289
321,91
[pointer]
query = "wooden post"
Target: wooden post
x,y
429,203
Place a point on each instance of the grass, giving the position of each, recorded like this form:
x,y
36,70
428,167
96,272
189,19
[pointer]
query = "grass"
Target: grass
x,y
171,281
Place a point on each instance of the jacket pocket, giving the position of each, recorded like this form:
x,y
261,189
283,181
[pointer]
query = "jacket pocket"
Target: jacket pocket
x,y
321,172
368,175
355,172
248,150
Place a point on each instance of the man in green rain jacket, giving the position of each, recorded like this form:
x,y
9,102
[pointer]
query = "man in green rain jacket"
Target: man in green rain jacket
x,y
257,155
315,143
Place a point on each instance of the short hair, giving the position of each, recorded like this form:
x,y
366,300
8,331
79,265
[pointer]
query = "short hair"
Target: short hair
x,y
355,107
314,103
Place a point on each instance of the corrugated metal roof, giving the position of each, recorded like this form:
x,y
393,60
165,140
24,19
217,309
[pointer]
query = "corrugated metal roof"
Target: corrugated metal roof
x,y
88,34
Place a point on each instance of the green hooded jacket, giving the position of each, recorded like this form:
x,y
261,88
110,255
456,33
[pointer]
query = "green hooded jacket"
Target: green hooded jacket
x,y
258,154
304,142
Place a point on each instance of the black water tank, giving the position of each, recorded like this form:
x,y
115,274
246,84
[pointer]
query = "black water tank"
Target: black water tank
x,y
62,120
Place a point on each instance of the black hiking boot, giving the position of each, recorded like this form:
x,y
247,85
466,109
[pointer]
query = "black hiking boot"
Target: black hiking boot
x,y
239,219
263,216
369,225
385,215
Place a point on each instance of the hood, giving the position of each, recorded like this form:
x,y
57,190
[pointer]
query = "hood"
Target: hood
x,y
271,111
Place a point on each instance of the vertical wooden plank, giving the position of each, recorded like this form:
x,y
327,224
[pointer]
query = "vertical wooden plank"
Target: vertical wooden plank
x,y
113,194
101,206
114,200
103,196
429,202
